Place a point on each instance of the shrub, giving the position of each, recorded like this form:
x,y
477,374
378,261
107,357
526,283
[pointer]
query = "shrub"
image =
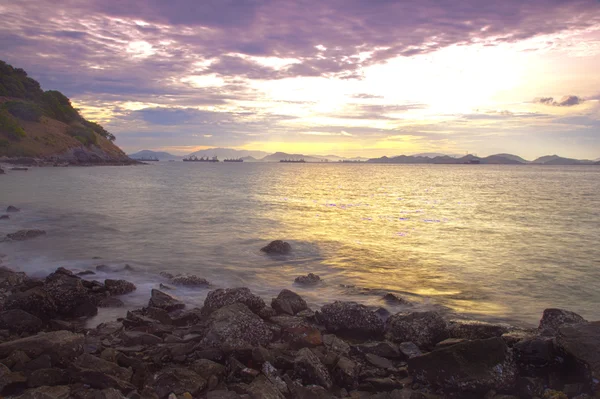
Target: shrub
x,y
84,134
59,107
98,129
4,143
24,110
10,126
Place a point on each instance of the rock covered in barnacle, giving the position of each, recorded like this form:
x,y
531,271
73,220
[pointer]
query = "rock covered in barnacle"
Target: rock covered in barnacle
x,y
425,329
162,300
288,302
309,279
277,247
119,287
351,319
228,296
189,280
23,235
553,319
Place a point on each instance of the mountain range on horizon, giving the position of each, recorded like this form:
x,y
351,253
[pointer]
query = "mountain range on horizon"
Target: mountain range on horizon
x,y
421,158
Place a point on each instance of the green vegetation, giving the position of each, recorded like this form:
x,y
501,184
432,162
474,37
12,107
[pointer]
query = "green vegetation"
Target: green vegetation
x,y
31,103
9,125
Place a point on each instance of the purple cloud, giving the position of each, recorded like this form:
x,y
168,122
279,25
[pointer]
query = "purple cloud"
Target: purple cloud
x,y
566,101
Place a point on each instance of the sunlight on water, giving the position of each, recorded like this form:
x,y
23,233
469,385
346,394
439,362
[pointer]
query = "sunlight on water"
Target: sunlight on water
x,y
497,242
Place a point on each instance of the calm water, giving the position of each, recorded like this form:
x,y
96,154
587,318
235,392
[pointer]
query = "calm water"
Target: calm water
x,y
493,242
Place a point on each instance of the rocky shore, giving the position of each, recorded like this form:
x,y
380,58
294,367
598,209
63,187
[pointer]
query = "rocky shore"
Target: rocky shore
x,y
239,346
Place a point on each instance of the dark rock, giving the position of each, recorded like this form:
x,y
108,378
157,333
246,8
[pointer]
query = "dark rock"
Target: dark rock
x,y
159,314
266,313
235,327
86,273
553,319
110,302
99,380
261,388
4,217
472,329
49,377
309,279
19,321
16,361
395,299
309,368
68,293
472,366
384,349
581,343
448,342
274,378
351,319
528,387
277,247
222,394
12,209
224,297
164,301
535,352
335,344
89,362
378,361
132,338
288,302
425,329
166,287
345,373
35,301
206,368
190,281
62,346
378,384
23,235
297,332
46,392
119,287
166,275
178,381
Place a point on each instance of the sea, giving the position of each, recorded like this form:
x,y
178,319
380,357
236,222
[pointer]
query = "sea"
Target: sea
x,y
497,243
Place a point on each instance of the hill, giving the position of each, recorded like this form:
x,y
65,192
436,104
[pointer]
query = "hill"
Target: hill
x,y
223,153
557,160
499,159
44,125
278,156
160,155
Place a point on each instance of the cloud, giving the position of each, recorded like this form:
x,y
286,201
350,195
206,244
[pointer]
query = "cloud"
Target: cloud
x,y
566,101
365,96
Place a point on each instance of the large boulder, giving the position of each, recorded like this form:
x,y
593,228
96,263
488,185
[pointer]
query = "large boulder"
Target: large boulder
x,y
473,329
62,346
69,294
23,235
178,380
309,368
288,302
35,301
469,367
425,329
12,209
309,279
553,319
228,296
19,321
236,328
162,300
10,279
119,287
581,343
351,319
90,362
277,247
47,392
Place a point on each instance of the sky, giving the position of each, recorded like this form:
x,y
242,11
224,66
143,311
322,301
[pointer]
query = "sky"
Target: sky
x,y
345,77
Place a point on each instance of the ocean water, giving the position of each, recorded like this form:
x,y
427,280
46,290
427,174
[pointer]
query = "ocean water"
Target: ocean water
x,y
497,243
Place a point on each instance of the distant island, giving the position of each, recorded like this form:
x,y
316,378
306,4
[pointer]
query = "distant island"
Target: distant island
x,y
424,158
43,126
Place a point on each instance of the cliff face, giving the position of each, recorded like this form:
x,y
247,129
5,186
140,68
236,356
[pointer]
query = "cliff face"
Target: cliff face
x,y
45,126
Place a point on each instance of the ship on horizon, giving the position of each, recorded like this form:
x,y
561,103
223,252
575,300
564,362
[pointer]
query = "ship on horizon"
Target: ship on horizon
x,y
233,160
293,160
194,158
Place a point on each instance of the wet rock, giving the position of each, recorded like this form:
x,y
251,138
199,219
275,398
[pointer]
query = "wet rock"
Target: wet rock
x,y
351,319
110,302
581,343
12,209
90,362
189,280
472,366
425,329
235,327
70,295
536,352
378,361
345,373
178,381
206,368
62,346
19,321
159,314
309,368
553,319
448,342
395,299
132,338
119,287
49,377
309,279
86,273
266,313
46,392
228,296
261,387
161,300
23,235
2,217
335,344
472,329
288,302
99,380
277,247
385,349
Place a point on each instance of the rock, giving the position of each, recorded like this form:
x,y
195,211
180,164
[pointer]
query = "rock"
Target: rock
x,y
351,319
262,388
46,392
86,273
206,368
119,287
235,327
178,380
378,361
470,367
110,302
309,368
288,302
530,387
99,380
384,349
164,301
12,209
190,281
274,378
19,321
222,394
535,352
228,296
309,279
89,362
345,373
395,299
4,217
62,346
70,295
133,338
49,377
581,343
277,247
553,319
425,329
23,235
472,329
335,344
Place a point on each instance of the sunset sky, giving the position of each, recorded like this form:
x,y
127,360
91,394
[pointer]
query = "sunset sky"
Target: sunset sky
x,y
343,77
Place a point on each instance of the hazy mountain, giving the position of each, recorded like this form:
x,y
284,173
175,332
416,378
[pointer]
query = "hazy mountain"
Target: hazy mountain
x,y
278,156
513,157
597,160
223,153
249,159
161,155
499,159
435,154
556,160
336,158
